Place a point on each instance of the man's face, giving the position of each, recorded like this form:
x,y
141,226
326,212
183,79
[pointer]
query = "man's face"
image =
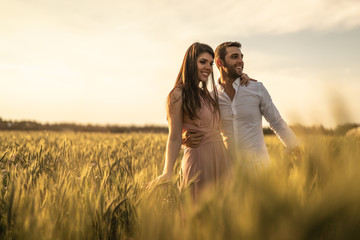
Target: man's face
x,y
233,64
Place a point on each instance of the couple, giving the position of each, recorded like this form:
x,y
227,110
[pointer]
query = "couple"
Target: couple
x,y
230,108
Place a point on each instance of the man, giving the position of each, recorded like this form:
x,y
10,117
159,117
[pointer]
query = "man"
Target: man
x,y
242,108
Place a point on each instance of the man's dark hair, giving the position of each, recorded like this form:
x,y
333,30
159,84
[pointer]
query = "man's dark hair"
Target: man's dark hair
x,y
220,51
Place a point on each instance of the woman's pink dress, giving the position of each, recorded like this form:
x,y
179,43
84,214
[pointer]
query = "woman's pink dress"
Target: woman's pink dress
x,y
208,164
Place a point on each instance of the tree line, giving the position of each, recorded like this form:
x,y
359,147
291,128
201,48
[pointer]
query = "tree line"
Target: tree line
x,y
7,125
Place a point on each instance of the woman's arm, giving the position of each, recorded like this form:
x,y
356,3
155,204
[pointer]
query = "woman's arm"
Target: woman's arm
x,y
175,121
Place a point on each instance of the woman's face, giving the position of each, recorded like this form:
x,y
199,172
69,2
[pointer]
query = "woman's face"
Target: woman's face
x,y
204,66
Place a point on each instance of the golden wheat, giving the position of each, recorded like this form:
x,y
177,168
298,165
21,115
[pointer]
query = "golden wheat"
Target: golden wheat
x,y
90,186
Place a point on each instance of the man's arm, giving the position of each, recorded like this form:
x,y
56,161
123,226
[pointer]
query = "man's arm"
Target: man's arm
x,y
192,138
277,123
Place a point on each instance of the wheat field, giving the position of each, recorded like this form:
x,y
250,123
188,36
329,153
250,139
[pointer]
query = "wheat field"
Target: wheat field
x,y
66,185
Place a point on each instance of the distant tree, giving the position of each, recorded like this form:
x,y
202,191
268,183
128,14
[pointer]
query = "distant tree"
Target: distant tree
x,y
344,128
35,126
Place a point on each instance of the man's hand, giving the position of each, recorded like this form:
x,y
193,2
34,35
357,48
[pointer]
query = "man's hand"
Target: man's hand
x,y
297,152
192,138
295,155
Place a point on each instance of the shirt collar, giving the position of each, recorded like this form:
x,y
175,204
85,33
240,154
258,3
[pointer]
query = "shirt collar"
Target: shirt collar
x,y
219,87
235,85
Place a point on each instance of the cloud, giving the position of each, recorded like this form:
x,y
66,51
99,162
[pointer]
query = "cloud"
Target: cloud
x,y
112,47
250,17
181,20
200,19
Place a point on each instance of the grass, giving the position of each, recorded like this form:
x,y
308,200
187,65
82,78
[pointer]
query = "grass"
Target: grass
x,y
90,186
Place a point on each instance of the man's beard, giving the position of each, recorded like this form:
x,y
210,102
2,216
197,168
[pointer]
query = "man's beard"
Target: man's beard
x,y
232,73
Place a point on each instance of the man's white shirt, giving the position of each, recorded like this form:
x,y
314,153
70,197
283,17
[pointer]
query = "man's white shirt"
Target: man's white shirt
x,y
241,121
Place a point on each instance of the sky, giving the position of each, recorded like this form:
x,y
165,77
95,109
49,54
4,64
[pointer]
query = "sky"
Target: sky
x,y
114,62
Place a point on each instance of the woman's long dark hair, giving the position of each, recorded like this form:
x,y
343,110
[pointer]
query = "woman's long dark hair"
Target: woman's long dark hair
x,y
192,89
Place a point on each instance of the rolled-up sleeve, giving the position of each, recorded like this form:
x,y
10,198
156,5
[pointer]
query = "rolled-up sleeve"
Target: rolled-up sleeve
x,y
277,123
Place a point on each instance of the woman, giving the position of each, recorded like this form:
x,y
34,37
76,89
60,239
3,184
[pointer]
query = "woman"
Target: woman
x,y
190,105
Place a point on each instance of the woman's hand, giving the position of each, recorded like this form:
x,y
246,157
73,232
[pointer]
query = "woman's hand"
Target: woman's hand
x,y
245,79
163,178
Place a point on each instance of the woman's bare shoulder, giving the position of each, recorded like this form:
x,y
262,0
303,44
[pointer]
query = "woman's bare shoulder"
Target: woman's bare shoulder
x,y
176,94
